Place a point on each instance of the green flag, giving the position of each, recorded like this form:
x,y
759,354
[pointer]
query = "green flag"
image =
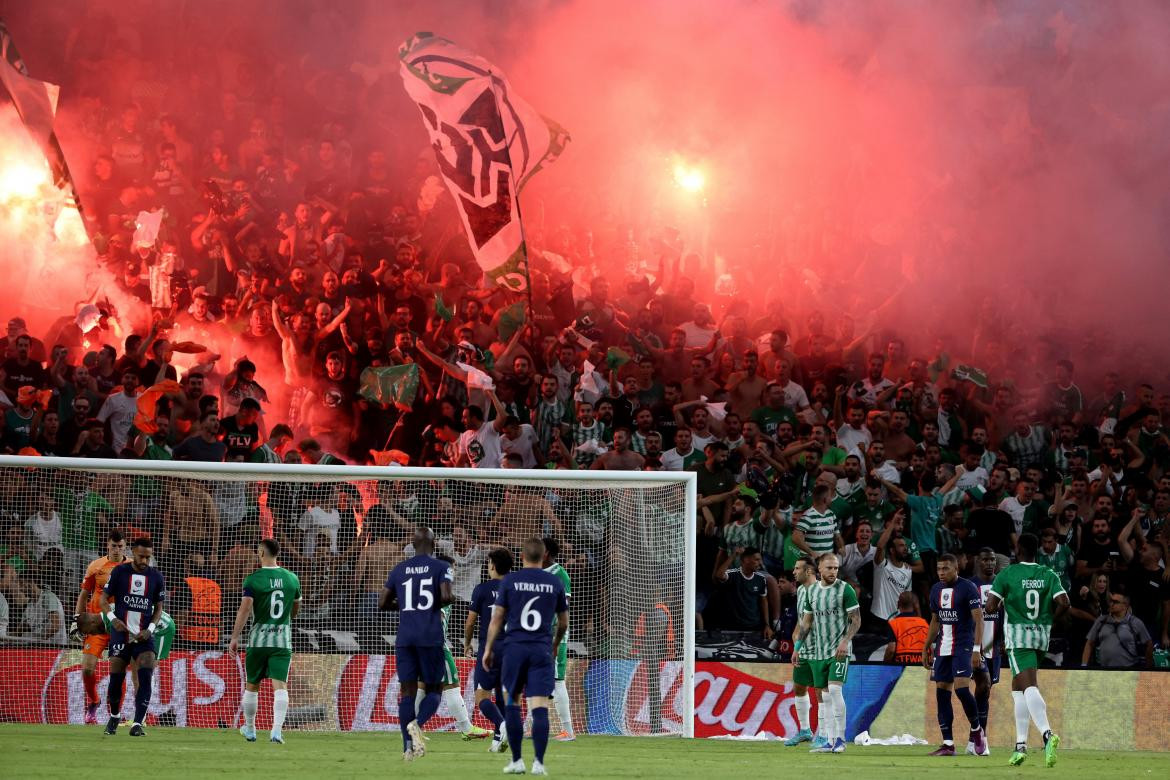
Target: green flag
x,y
442,310
396,385
616,358
511,320
972,374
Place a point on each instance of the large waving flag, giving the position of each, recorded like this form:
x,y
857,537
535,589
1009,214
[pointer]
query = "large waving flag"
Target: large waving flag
x,y
489,143
36,103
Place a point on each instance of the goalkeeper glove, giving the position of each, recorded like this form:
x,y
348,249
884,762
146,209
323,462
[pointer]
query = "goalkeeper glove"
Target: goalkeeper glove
x,y
74,632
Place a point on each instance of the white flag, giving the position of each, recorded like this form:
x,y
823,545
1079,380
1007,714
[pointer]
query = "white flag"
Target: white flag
x,y
477,378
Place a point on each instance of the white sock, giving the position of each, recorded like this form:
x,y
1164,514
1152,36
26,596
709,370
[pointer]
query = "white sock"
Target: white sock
x,y
1038,709
279,709
251,704
1021,708
838,698
418,697
453,698
826,721
803,705
561,701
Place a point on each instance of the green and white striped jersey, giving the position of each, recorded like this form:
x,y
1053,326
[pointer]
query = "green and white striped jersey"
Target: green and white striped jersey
x,y
801,591
562,575
830,607
1028,592
819,529
273,591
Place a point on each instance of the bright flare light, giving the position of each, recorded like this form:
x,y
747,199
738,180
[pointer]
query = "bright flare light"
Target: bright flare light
x,y
690,179
22,181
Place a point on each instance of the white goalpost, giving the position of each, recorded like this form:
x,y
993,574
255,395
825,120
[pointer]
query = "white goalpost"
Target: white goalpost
x,y
627,541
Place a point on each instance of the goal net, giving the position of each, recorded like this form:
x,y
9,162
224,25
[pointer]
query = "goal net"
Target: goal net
x,y
626,541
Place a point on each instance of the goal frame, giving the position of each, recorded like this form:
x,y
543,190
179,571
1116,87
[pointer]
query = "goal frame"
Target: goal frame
x,y
305,472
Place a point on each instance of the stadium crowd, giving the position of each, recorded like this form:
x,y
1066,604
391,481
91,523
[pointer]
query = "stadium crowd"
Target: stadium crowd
x,y
291,259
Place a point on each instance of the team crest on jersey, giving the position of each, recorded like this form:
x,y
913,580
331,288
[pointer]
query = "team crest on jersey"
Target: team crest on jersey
x,y
137,585
945,597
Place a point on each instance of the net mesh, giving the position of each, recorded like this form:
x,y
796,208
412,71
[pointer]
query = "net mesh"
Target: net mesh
x,y
622,544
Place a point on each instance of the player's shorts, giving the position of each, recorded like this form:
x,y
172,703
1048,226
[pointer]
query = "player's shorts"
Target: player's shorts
x,y
827,670
95,644
562,661
450,670
527,669
164,641
802,675
992,666
420,664
947,667
120,647
486,679
1022,659
270,662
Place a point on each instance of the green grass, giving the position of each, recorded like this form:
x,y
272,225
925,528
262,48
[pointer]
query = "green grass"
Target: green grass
x,y
77,752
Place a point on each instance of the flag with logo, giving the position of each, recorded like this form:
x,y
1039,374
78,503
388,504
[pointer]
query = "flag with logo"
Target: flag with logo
x,y
488,141
396,385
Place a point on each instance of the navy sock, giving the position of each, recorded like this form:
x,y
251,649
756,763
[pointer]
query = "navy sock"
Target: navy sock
x,y
946,713
501,705
405,717
983,702
970,708
429,706
114,693
515,729
540,731
492,713
142,694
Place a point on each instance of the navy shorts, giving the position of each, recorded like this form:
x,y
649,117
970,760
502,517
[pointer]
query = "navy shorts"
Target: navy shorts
x,y
947,667
119,647
487,679
992,666
528,669
427,664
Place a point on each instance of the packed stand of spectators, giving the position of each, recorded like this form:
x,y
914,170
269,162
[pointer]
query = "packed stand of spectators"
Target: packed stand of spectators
x,y
294,256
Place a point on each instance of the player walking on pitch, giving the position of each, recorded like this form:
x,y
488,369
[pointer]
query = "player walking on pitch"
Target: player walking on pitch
x,y
987,674
530,601
560,690
952,650
1032,597
452,693
418,588
804,572
272,598
132,601
489,697
97,574
831,611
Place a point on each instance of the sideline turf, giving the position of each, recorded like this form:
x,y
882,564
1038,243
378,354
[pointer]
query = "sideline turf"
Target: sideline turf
x,y
77,752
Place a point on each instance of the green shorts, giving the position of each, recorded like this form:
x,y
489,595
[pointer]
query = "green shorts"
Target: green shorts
x,y
827,670
164,640
450,670
1021,659
802,675
562,661
270,662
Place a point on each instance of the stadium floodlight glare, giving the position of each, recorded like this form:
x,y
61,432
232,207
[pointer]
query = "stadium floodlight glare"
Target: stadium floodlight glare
x,y
628,541
689,178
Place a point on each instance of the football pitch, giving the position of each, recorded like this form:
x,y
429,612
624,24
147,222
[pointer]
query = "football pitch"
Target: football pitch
x,y
81,752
